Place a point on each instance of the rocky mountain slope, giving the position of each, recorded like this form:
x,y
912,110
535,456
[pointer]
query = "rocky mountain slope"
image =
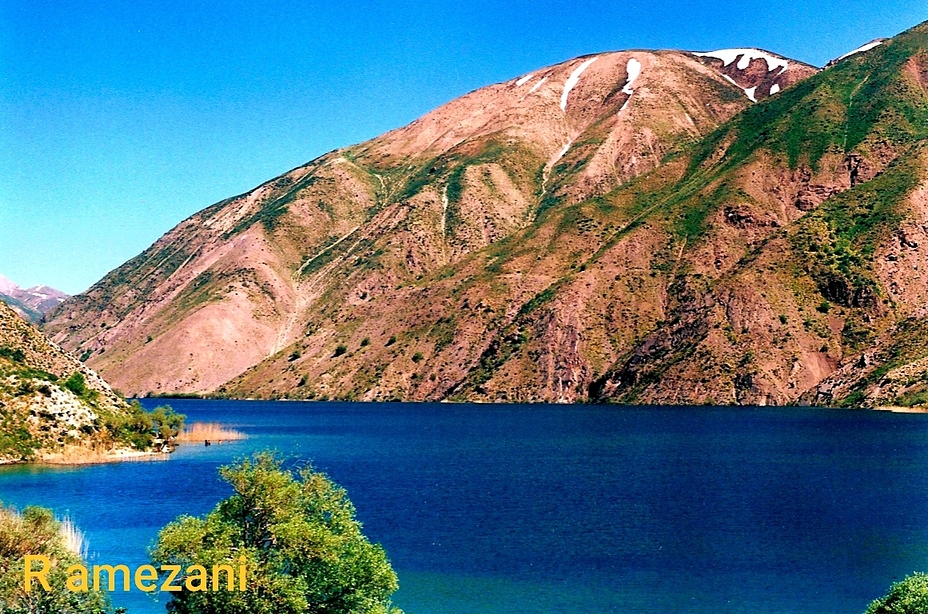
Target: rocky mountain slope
x,y
627,226
241,281
31,303
53,407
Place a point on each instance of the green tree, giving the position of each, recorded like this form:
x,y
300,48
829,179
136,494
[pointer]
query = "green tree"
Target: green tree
x,y
298,537
166,422
139,427
909,596
36,532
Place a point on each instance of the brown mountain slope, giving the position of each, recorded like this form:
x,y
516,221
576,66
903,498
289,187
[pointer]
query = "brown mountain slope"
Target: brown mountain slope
x,y
833,289
746,270
301,261
53,407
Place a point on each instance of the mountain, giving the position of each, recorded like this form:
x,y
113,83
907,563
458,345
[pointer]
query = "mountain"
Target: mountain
x,y
6,286
31,303
626,226
243,280
52,407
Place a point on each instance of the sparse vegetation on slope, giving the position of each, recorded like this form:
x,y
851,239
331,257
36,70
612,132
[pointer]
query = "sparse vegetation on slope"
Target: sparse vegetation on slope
x,y
53,408
675,245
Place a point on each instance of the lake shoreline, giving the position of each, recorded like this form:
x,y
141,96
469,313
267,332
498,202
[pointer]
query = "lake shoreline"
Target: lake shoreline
x,y
77,456
896,409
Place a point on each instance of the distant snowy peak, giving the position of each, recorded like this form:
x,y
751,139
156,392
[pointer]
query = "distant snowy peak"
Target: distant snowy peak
x,y
756,72
7,286
31,303
862,49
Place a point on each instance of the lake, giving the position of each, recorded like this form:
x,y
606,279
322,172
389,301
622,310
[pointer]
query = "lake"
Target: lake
x,y
488,509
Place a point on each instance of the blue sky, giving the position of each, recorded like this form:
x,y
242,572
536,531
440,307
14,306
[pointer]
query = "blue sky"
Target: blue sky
x,y
118,119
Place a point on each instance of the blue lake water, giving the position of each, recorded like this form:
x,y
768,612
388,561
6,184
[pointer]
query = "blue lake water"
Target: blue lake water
x,y
488,509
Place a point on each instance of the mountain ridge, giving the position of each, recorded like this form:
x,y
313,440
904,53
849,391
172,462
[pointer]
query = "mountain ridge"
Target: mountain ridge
x,y
31,303
349,277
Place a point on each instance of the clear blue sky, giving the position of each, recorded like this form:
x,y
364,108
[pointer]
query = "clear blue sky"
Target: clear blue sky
x,y
118,119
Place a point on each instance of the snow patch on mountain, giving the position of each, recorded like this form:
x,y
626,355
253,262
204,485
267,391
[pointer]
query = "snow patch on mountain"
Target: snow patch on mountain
x,y
537,85
775,88
524,80
633,68
747,55
573,79
861,49
747,92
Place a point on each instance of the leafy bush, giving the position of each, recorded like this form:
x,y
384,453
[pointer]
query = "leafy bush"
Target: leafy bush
x,y
298,537
139,428
77,384
910,596
166,423
15,439
36,532
16,355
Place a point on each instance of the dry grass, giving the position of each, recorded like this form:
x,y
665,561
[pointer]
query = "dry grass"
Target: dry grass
x,y
213,431
35,533
81,455
73,537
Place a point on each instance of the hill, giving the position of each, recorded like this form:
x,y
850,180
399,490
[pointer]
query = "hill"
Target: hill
x,y
627,226
55,409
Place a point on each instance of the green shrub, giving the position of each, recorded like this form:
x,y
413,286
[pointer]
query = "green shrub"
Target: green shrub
x,y
910,596
77,384
339,350
16,355
166,423
298,537
139,428
36,532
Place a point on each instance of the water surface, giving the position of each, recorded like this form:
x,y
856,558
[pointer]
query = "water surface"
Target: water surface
x,y
579,509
